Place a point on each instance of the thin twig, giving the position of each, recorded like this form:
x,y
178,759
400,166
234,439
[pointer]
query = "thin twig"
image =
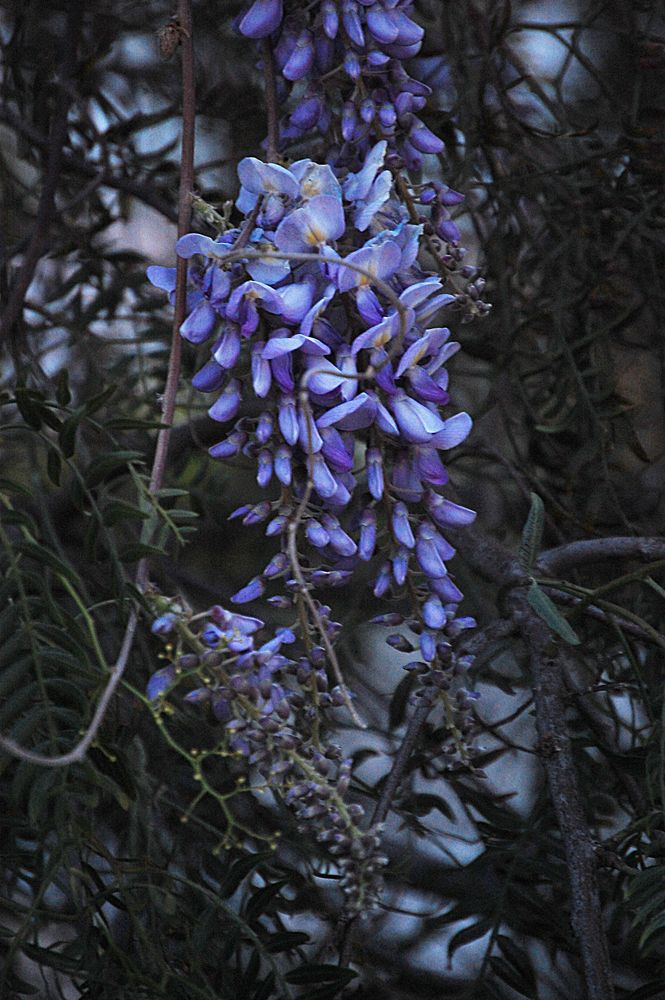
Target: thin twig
x,y
184,221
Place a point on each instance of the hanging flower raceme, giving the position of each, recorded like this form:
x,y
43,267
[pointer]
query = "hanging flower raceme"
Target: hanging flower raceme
x,y
327,370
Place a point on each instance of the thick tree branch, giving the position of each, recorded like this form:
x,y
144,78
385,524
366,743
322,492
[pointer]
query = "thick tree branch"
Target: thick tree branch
x,y
549,694
574,555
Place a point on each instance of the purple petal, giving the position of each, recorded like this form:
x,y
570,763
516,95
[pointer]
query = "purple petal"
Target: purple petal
x,y
288,419
454,431
301,59
382,25
251,592
415,421
296,300
445,512
375,483
283,469
267,178
380,261
324,377
430,467
367,541
282,370
228,403
261,372
320,220
401,526
162,277
354,415
228,351
209,378
324,481
200,323
263,17
377,197
357,186
334,450
425,387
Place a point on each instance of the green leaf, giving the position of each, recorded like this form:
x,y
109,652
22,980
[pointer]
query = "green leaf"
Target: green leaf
x,y
532,534
62,393
137,550
31,407
67,436
286,941
102,397
240,869
260,900
120,510
311,973
109,464
468,935
550,614
53,466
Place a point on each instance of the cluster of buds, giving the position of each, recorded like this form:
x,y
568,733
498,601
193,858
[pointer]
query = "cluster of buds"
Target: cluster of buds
x,y
270,707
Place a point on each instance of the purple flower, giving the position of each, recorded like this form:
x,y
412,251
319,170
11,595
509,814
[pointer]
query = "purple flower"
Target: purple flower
x,y
162,277
330,18
382,24
301,59
228,403
416,422
446,513
263,17
381,261
287,418
264,468
312,226
261,371
434,614
375,483
453,432
400,565
401,526
367,540
160,682
283,468
200,323
357,413
164,624
230,447
258,178
228,351
432,550
251,592
340,541
335,451
316,534
277,345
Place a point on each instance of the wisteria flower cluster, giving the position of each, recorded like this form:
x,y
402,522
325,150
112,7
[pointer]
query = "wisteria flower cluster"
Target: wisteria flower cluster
x,y
327,369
